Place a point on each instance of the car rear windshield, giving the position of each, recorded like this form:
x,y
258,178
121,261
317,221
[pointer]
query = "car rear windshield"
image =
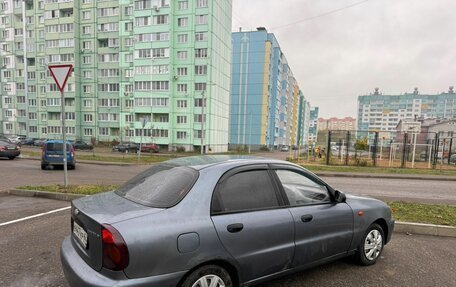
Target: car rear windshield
x,y
56,147
160,186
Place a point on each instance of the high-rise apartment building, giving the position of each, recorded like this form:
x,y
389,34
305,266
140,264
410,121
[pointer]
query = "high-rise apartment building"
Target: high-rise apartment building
x,y
152,69
337,124
267,106
313,124
383,112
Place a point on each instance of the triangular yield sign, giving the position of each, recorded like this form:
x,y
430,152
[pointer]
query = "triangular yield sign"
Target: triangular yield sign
x,y
60,73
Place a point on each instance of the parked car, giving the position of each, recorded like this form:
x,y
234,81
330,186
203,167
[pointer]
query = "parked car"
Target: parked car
x,y
52,154
284,148
81,145
150,147
39,142
9,150
218,221
14,139
27,141
453,159
126,147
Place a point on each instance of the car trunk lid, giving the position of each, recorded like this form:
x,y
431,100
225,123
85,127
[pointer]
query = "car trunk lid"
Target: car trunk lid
x,y
89,213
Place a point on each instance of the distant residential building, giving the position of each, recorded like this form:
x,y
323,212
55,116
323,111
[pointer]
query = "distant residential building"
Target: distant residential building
x,y
267,105
426,130
337,124
381,112
159,62
313,124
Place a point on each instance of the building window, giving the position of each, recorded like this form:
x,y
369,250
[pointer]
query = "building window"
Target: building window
x,y
182,88
182,38
201,3
181,119
86,15
182,22
201,53
161,19
181,135
201,70
200,87
183,5
201,36
182,71
88,132
201,19
182,55
88,118
181,103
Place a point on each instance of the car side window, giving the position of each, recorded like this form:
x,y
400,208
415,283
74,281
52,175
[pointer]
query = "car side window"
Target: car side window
x,y
245,191
301,190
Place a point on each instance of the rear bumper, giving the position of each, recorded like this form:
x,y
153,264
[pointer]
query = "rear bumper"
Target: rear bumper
x,y
8,153
79,274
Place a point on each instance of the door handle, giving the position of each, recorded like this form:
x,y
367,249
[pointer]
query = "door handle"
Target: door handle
x,y
306,218
236,227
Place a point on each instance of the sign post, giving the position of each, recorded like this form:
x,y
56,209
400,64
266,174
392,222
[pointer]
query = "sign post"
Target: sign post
x,y
60,73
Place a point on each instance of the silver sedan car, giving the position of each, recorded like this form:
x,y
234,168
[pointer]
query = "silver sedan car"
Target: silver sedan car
x,y
218,221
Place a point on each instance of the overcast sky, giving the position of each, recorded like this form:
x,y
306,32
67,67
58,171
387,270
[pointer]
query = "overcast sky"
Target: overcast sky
x,y
395,45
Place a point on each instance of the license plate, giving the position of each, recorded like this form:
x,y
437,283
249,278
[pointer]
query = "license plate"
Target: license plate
x,y
80,234
54,155
11,148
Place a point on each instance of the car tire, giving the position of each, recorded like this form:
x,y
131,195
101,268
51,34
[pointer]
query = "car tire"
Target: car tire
x,y
208,273
43,167
371,246
11,157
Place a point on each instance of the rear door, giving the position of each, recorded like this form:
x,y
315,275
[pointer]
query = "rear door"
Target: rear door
x,y
324,228
248,214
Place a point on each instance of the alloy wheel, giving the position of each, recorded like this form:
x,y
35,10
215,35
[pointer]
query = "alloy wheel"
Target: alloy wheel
x,y
373,244
209,281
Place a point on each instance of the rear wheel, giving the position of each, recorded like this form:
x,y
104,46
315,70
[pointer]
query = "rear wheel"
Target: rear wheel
x,y
43,166
11,157
371,246
209,275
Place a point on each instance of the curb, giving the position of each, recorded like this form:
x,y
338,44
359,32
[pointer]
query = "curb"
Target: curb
x,y
44,194
425,229
385,176
399,227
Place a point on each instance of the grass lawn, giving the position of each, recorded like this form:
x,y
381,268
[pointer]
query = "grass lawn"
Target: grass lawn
x,y
424,213
87,189
381,170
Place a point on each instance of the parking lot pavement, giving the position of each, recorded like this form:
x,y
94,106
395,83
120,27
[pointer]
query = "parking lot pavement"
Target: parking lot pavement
x,y
28,172
29,255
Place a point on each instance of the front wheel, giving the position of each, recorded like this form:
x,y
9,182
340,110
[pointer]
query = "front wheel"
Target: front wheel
x,y
209,275
11,157
371,246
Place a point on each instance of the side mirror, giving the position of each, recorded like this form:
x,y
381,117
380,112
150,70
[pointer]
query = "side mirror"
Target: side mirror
x,y
339,196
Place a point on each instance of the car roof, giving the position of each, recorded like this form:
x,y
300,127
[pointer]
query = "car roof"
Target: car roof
x,y
57,141
201,162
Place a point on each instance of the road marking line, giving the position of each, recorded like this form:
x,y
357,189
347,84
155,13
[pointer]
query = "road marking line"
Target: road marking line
x,y
33,216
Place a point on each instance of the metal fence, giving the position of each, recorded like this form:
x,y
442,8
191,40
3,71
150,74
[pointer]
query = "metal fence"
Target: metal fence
x,y
385,149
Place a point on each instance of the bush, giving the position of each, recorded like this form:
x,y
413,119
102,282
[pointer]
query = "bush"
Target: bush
x,y
180,149
264,148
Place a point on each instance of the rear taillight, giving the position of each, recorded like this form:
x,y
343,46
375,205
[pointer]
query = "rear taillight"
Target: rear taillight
x,y
115,251
2,147
43,152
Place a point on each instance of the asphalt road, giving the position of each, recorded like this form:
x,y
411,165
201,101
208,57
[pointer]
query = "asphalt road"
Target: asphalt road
x,y
29,254
424,191
28,172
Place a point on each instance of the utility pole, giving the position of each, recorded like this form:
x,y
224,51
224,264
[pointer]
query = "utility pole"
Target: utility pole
x,y
202,122
250,131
